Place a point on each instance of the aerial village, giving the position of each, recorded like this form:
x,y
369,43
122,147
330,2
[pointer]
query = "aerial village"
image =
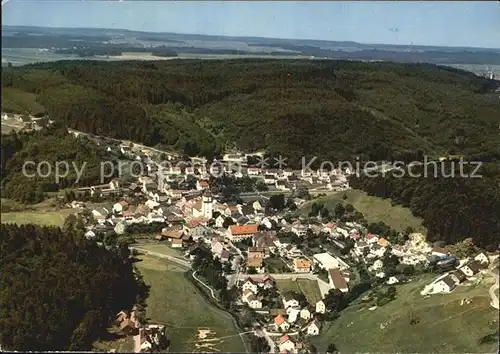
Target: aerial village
x,y
257,240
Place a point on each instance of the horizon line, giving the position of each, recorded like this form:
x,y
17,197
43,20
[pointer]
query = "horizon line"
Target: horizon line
x,y
253,37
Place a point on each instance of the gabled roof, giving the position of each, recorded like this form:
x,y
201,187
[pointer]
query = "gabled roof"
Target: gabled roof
x,y
243,229
279,320
449,281
475,266
285,339
337,279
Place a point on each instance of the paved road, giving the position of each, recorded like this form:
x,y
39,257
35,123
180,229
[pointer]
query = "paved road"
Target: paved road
x,y
205,285
270,342
179,261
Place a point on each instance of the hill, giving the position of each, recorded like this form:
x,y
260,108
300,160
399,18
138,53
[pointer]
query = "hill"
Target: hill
x,y
443,323
373,208
452,209
331,109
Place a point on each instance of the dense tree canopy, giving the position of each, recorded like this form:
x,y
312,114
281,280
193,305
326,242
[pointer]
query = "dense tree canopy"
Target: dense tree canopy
x,y
44,148
59,290
331,109
453,209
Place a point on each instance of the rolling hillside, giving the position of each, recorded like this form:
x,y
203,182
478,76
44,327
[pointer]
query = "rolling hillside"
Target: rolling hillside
x,y
331,109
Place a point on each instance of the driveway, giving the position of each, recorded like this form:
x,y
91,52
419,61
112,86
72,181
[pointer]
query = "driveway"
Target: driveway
x,y
179,261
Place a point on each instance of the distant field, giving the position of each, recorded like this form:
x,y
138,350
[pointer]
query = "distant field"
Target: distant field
x,y
309,288
23,56
373,208
444,325
17,101
175,302
49,218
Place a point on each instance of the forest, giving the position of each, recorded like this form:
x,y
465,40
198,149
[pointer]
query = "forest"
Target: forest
x,y
335,110
453,209
61,291
53,144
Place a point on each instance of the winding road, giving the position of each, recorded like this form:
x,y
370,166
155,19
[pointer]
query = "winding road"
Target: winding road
x,y
493,289
205,285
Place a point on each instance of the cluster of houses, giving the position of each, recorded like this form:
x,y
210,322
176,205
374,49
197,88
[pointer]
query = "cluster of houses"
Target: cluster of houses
x,y
27,122
194,214
145,337
469,270
290,319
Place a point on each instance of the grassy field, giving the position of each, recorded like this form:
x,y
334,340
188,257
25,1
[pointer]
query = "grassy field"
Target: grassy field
x,y
373,208
14,100
49,218
444,325
163,248
44,213
309,288
194,325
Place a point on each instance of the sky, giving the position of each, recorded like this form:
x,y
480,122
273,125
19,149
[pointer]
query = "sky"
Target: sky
x,y
471,24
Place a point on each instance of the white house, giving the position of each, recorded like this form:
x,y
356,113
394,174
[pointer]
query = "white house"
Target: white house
x,y
471,268
293,314
482,258
320,307
219,221
253,302
176,243
120,206
392,280
378,264
305,313
89,234
313,328
286,344
269,179
281,324
289,301
444,285
249,285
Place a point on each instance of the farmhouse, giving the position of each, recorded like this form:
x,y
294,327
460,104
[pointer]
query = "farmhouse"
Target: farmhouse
x,y
445,285
482,258
471,268
313,328
458,276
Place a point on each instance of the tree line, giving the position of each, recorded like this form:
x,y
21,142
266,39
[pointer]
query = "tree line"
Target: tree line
x,y
59,290
453,209
336,110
